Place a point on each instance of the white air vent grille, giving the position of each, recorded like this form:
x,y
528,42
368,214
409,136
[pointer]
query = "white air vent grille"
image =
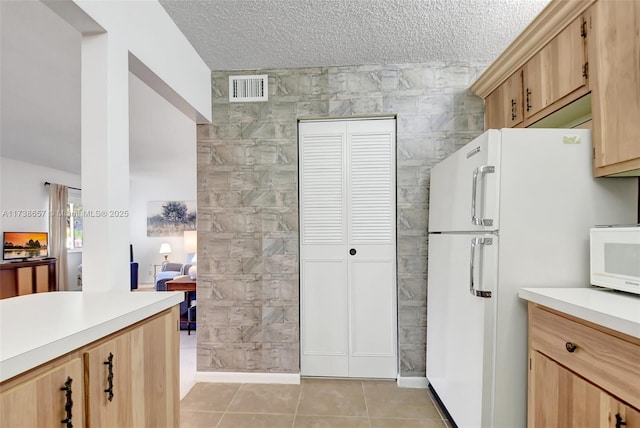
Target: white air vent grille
x,y
248,88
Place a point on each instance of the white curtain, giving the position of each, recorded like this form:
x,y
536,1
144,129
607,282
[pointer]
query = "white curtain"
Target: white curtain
x,y
58,200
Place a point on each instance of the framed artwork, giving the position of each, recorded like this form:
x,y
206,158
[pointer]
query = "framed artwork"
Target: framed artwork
x,y
170,218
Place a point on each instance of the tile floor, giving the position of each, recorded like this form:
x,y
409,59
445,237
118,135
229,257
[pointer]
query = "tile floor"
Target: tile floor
x,y
313,403
318,403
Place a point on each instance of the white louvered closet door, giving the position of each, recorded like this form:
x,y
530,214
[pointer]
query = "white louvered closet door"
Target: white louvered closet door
x,y
348,248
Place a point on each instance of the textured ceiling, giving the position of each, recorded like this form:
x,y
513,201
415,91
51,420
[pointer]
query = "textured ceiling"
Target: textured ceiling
x,y
256,34
40,70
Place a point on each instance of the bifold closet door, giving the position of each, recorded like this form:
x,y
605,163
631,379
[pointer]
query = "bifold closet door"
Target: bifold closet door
x,y
348,248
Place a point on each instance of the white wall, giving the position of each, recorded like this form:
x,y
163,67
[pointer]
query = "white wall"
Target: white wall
x,y
23,194
115,35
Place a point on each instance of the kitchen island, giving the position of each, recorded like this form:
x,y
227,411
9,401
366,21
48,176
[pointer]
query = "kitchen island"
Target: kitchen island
x,y
101,358
584,357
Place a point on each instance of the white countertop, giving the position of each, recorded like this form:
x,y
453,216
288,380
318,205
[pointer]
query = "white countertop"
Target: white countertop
x,y
612,309
37,328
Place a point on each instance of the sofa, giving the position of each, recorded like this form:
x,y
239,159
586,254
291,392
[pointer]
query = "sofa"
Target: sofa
x,y
168,271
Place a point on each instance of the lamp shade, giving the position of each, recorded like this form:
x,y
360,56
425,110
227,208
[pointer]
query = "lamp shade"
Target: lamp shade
x,y
190,241
165,248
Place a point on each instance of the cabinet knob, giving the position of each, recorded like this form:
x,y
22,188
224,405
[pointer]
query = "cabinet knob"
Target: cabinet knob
x,y
352,251
571,347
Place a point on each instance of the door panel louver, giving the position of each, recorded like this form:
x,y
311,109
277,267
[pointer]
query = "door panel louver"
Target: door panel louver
x,y
322,190
371,188
248,88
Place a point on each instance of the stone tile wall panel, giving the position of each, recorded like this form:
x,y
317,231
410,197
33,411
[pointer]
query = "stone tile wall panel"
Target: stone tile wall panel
x,y
248,265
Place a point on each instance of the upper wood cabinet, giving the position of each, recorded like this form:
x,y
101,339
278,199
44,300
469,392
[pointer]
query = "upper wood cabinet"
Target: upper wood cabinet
x,y
504,106
552,78
614,57
557,71
571,49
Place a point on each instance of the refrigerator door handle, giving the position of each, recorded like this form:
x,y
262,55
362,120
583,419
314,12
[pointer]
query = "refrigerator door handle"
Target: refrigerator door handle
x,y
475,242
478,172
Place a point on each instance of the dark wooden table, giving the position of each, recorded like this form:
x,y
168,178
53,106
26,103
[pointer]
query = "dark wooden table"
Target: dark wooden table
x,y
182,284
187,285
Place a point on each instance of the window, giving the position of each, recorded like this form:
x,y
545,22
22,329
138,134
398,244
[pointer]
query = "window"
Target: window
x,y
74,220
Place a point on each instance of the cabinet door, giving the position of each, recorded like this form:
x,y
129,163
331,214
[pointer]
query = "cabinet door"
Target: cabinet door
x,y
155,371
347,248
556,71
559,398
42,278
108,383
40,402
503,108
25,280
494,109
614,60
623,415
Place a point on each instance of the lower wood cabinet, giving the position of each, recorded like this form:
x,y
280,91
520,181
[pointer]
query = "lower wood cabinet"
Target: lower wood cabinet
x,y
52,398
560,398
128,379
109,382
580,375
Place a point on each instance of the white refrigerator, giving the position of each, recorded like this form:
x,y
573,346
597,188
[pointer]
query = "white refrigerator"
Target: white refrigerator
x,y
511,209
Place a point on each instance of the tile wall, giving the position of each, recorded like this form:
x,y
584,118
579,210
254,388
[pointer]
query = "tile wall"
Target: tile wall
x,y
248,201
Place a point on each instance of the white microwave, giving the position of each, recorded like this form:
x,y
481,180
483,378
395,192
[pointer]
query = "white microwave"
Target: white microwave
x,y
615,257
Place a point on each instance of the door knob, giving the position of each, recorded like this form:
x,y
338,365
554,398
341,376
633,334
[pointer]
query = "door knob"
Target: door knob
x,y
352,251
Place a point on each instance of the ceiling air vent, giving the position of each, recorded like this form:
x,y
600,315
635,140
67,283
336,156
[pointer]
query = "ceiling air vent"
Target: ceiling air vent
x,y
248,88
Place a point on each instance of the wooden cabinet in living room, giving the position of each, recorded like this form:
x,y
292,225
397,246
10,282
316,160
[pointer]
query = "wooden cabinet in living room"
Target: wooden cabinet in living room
x,y
51,398
26,277
614,57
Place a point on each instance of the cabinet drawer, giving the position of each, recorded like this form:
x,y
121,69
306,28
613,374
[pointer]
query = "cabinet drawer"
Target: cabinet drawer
x,y
608,361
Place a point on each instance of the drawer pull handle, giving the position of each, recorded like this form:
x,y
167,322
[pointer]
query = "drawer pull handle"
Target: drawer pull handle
x,y
109,364
570,347
68,406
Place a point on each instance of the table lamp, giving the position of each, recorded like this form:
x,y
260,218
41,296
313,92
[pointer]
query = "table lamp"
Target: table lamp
x,y
165,249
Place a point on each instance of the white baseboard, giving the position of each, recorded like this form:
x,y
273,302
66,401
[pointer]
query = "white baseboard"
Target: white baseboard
x,y
246,377
413,382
